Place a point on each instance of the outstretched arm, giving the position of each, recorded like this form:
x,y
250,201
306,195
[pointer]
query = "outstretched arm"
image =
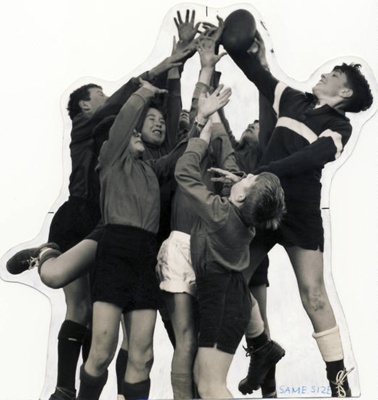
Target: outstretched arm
x,y
316,155
209,104
208,60
254,65
187,30
164,166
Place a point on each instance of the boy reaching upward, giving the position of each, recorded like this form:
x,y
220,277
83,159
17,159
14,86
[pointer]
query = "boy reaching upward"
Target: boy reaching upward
x,y
220,251
311,131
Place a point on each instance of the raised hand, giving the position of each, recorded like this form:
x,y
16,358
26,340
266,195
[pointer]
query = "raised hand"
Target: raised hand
x,y
175,60
215,32
258,49
187,30
209,104
152,88
206,51
225,176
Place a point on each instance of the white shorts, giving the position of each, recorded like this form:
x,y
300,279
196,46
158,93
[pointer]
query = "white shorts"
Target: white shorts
x,y
174,267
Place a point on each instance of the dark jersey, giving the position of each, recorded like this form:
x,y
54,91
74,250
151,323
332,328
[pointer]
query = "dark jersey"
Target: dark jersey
x,y
304,139
84,147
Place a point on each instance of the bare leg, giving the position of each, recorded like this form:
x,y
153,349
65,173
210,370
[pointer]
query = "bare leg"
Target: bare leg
x,y
74,335
122,357
94,373
106,320
140,326
260,295
308,268
60,271
180,309
211,371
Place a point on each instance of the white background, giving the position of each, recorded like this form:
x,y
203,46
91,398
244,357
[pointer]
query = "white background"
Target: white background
x,y
49,48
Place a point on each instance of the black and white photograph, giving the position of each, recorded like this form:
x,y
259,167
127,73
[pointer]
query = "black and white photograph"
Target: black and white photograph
x,y
188,202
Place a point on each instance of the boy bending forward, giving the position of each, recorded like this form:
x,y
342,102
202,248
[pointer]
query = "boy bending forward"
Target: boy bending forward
x,y
220,251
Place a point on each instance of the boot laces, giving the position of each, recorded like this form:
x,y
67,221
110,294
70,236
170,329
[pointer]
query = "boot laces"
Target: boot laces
x,y
32,262
248,351
339,382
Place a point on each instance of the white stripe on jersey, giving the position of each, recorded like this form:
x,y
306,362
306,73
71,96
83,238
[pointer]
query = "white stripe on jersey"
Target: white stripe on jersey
x,y
277,96
301,129
336,137
298,127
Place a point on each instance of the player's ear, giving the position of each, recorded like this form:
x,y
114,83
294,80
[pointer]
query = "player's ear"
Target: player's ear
x,y
346,92
240,197
84,105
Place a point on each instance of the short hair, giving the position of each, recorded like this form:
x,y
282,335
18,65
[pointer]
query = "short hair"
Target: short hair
x,y
264,205
152,104
82,93
362,97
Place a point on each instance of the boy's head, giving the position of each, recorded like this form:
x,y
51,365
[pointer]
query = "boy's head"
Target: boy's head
x,y
260,199
184,121
135,148
348,83
153,128
251,133
87,99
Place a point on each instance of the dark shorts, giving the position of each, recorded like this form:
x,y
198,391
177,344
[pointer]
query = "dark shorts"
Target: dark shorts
x,y
73,221
124,273
224,309
302,226
260,276
96,232
304,229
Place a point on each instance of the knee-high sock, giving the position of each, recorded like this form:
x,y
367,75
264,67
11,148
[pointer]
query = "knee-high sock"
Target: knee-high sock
x,y
329,343
331,349
91,386
86,345
70,340
134,391
121,364
182,386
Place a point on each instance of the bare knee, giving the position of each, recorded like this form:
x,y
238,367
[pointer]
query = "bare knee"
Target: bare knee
x,y
79,308
50,278
99,358
186,339
141,359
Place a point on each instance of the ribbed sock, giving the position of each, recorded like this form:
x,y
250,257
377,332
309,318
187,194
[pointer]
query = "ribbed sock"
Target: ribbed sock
x,y
121,364
70,340
135,391
46,254
257,341
329,343
86,345
91,386
182,386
